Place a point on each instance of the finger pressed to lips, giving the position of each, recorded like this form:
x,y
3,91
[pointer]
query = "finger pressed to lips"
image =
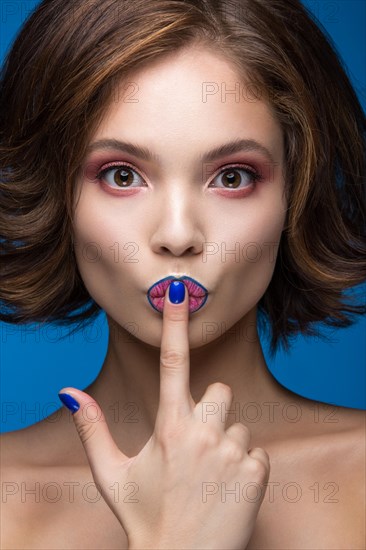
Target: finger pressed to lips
x,y
175,398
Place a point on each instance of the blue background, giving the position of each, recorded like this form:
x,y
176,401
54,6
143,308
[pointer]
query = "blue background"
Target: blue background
x,y
35,364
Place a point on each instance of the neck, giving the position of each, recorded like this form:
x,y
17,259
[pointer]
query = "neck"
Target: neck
x,y
127,387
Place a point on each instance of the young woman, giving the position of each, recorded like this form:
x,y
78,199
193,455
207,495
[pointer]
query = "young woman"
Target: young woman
x,y
196,169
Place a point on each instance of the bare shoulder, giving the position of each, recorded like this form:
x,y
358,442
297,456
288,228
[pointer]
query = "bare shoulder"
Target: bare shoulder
x,y
343,433
34,472
352,445
352,427
346,460
45,487
322,458
19,472
13,473
47,443
352,438
19,448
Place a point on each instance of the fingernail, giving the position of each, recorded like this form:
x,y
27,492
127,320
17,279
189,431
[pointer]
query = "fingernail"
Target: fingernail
x,y
69,402
176,292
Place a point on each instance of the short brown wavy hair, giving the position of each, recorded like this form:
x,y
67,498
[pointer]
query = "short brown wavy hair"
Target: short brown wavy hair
x,y
56,84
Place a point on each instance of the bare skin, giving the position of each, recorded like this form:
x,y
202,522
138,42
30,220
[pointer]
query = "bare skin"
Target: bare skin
x,y
321,457
315,496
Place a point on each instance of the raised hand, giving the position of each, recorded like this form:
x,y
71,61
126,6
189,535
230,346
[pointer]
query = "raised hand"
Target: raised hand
x,y
191,478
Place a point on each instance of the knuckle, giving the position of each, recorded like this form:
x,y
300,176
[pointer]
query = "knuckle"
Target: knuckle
x,y
208,438
259,466
243,430
166,440
262,471
265,456
172,358
223,389
177,315
233,451
86,431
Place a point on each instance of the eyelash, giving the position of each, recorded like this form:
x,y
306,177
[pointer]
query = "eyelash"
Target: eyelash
x,y
253,174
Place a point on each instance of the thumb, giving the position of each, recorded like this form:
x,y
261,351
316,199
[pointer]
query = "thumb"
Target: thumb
x,y
100,447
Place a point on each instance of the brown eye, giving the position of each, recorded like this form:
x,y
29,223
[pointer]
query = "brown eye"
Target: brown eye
x,y
119,176
233,178
123,177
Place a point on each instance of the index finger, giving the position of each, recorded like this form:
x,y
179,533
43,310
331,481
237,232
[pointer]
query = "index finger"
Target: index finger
x,y
175,398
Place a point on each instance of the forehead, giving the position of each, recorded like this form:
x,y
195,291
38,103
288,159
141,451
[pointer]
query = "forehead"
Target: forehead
x,y
192,95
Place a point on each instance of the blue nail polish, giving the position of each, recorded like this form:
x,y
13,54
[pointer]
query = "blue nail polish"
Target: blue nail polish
x,y
69,402
176,292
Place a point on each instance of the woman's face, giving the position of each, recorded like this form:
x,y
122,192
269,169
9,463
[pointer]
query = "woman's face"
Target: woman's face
x,y
182,212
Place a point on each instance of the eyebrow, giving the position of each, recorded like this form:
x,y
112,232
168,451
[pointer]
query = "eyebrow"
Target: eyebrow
x,y
235,146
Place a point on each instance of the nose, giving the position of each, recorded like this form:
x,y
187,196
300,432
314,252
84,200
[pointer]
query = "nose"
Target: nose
x,y
178,230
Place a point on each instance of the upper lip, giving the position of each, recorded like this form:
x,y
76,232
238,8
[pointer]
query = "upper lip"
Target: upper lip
x,y
196,289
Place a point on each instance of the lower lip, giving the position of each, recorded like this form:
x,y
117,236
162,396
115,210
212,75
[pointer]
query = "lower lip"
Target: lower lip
x,y
195,303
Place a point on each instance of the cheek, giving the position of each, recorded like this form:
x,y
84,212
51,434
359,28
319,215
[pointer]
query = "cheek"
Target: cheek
x,y
96,225
256,244
264,224
263,240
254,234
94,237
